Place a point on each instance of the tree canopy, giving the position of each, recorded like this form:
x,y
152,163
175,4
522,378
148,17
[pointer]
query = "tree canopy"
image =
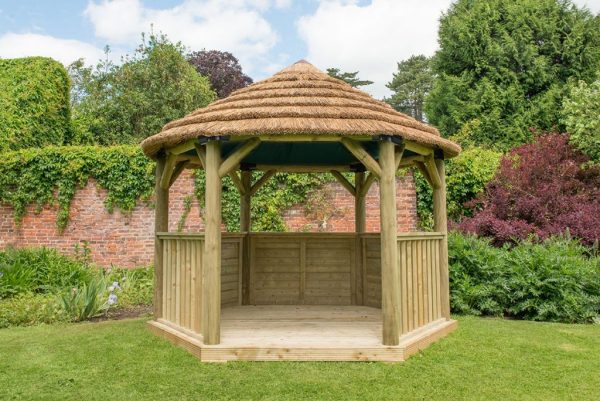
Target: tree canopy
x,y
410,86
348,77
126,103
503,66
222,69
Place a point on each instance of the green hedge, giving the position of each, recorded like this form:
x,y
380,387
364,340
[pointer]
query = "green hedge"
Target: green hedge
x,y
52,175
34,103
555,280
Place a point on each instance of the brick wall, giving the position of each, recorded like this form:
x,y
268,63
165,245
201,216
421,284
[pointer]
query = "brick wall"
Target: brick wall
x,y
127,239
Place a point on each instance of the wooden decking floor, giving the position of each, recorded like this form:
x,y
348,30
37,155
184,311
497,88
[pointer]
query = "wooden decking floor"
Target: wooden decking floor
x,y
303,332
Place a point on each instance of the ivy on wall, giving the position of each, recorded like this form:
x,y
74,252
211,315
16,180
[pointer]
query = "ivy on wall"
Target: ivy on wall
x,y
51,176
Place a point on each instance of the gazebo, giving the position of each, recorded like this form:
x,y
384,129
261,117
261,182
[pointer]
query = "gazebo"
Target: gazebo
x,y
300,296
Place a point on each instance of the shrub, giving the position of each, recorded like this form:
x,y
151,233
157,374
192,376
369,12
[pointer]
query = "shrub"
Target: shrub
x,y
556,280
87,301
39,270
31,309
543,188
466,177
34,103
136,286
581,114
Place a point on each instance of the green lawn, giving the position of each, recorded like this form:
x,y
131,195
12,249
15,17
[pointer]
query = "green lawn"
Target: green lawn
x,y
485,359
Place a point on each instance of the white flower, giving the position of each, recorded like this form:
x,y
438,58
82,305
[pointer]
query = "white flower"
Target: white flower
x,y
111,288
116,285
112,299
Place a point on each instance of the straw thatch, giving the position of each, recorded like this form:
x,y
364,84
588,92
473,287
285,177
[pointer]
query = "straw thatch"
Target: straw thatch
x,y
298,100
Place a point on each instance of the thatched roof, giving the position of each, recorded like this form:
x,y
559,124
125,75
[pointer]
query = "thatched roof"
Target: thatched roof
x,y
300,99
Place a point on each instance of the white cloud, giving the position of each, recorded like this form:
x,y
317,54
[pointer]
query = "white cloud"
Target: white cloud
x,y
14,45
237,26
371,38
593,5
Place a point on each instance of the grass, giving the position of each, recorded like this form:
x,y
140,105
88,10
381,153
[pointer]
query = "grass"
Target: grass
x,y
485,359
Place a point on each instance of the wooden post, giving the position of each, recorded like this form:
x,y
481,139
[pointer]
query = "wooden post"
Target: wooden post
x,y
245,226
359,203
211,271
390,274
359,228
440,224
161,223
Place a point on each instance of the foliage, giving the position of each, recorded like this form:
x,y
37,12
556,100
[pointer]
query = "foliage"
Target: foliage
x,y
581,111
136,286
29,309
466,177
557,280
51,175
126,103
222,69
503,66
348,77
279,193
410,85
88,301
34,103
39,270
542,188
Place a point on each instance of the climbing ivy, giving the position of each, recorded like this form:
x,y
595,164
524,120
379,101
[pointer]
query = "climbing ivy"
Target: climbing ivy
x,y
51,176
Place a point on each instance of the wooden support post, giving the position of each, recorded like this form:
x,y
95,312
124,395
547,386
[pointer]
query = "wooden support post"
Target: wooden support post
x,y
211,271
359,203
390,273
245,226
161,224
367,184
440,224
359,228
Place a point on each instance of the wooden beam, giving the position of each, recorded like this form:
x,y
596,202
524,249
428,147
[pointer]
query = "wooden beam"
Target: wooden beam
x,y
424,172
301,169
418,148
183,147
398,155
362,155
440,224
261,182
430,165
237,182
201,151
177,171
345,183
410,161
390,272
165,179
237,155
367,184
211,268
300,138
161,224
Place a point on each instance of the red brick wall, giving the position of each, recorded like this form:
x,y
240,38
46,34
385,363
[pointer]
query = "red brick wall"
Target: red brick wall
x,y
127,239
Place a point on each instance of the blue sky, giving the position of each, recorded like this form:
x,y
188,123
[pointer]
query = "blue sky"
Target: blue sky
x,y
266,35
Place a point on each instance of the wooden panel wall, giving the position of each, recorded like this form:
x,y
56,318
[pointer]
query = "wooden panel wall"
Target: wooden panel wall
x,y
294,268
419,264
182,277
